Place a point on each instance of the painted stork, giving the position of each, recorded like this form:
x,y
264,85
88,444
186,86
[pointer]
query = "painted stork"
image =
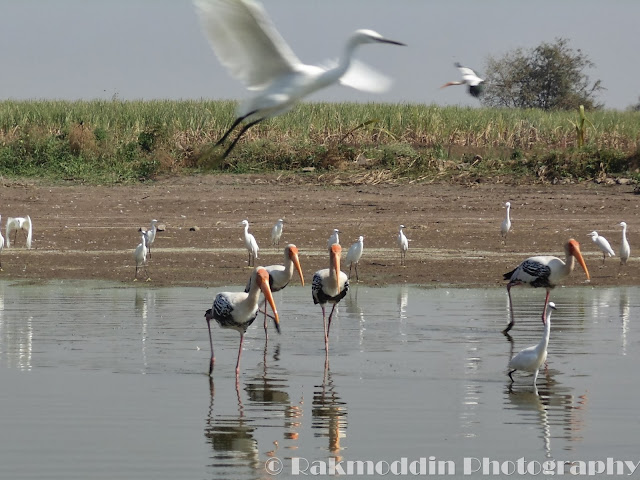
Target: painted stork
x,y
329,285
140,256
469,77
506,223
333,238
603,245
354,254
151,235
531,358
625,250
276,232
403,245
19,223
281,275
247,43
238,310
544,271
250,243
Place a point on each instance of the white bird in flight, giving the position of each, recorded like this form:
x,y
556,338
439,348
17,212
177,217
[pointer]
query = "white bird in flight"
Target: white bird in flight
x,y
603,245
531,358
276,232
506,223
247,43
469,77
19,223
625,250
403,245
250,243
354,254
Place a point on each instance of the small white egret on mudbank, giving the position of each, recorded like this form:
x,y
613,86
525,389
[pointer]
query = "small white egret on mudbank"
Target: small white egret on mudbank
x,y
506,223
250,243
354,254
140,256
276,232
603,244
403,245
625,250
19,223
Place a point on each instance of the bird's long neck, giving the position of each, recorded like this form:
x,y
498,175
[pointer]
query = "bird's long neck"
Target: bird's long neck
x,y
345,60
333,277
254,293
569,263
624,233
544,342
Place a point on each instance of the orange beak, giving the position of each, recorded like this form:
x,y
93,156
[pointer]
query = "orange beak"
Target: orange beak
x,y
263,283
336,250
574,248
293,255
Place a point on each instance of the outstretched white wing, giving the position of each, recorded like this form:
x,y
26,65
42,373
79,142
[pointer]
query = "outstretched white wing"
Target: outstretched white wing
x,y
245,41
362,77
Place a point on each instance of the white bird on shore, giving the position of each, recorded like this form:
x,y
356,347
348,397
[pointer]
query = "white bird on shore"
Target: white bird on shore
x,y
333,238
247,43
544,271
603,245
250,243
531,358
625,250
276,232
469,77
140,256
19,223
329,285
151,235
403,245
506,223
354,254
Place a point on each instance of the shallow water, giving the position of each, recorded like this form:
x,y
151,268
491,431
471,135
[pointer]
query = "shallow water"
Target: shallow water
x,y
104,381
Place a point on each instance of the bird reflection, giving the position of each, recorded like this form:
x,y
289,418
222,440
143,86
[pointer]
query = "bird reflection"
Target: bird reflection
x,y
625,310
329,413
265,388
231,436
527,401
355,310
403,300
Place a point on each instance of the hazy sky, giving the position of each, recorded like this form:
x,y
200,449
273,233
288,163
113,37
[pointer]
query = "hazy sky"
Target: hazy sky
x,y
148,49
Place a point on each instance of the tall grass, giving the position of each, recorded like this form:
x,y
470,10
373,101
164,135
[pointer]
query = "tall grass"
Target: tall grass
x,y
123,141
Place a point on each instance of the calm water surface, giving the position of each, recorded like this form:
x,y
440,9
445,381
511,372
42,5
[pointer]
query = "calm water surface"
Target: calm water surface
x,y
105,381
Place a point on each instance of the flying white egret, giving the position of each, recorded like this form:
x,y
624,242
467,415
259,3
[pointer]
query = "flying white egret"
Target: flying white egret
x,y
625,250
280,275
238,310
531,358
333,238
276,232
151,235
354,254
469,77
544,271
19,223
506,223
603,245
247,43
403,245
140,256
1,243
329,285
250,243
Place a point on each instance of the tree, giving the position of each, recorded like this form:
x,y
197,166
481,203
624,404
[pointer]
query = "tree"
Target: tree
x,y
550,76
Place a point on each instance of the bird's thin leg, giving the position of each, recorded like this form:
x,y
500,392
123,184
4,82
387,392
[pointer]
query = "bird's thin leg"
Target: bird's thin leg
x,y
546,302
511,321
235,124
512,380
330,317
535,378
324,324
213,359
357,277
350,265
244,129
266,335
239,353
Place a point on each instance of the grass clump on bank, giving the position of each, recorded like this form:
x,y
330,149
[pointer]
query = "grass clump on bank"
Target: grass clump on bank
x,y
128,141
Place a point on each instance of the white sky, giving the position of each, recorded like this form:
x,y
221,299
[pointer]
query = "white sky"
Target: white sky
x,y
148,49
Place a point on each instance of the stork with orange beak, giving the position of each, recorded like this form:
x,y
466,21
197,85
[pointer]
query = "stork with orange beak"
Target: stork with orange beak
x,y
329,285
544,271
281,275
238,310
